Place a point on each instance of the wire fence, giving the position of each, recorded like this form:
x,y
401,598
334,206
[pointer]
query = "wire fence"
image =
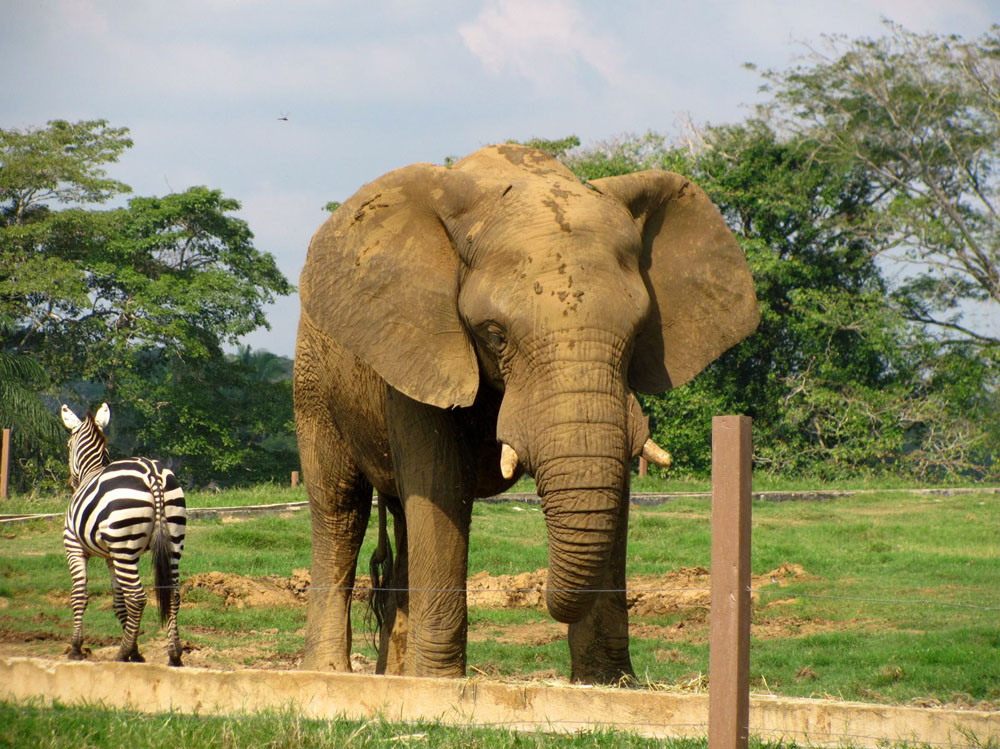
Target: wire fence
x,y
365,589
813,734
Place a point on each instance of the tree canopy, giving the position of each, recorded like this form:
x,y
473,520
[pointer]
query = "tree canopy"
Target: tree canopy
x,y
919,114
838,380
128,297
864,192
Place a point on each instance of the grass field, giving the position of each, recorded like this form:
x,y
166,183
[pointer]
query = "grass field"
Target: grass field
x,y
886,597
72,728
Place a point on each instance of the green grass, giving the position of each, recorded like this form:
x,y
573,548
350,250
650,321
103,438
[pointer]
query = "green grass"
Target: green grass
x,y
55,502
899,600
72,727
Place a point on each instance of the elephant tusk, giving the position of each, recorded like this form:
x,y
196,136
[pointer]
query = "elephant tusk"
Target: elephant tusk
x,y
656,454
508,461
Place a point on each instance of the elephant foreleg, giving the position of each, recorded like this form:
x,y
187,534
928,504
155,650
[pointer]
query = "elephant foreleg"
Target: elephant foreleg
x,y
340,500
598,643
435,485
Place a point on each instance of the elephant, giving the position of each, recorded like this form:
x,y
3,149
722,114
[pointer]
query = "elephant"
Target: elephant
x,y
461,325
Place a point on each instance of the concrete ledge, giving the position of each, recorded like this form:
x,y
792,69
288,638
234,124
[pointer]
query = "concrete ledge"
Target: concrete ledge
x,y
153,688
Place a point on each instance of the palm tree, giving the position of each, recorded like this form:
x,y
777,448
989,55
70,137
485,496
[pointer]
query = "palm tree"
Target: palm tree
x,y
34,429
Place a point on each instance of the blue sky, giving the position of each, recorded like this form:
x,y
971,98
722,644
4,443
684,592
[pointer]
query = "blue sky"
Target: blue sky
x,y
370,86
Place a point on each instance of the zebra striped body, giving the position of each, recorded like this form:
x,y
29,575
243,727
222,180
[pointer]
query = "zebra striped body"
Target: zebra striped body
x,y
118,511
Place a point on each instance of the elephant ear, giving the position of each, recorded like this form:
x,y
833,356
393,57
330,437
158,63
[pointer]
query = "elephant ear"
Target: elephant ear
x,y
700,288
381,278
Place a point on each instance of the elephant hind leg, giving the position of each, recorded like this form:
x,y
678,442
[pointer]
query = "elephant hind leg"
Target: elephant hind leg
x,y
395,603
380,567
340,500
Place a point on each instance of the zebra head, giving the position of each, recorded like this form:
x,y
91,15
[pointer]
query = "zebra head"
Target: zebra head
x,y
88,447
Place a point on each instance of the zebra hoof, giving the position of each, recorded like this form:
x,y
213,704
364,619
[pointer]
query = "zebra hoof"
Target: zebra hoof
x,y
77,653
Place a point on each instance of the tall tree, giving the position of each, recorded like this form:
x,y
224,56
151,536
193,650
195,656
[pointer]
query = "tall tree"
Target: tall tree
x,y
128,297
837,381
920,114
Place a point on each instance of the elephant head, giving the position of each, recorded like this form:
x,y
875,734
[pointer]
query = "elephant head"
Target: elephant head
x,y
505,271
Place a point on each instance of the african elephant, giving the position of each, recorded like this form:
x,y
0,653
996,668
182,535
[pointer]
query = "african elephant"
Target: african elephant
x,y
463,324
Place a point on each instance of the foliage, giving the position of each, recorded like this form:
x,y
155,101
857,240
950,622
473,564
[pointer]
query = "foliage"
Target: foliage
x,y
920,116
226,420
34,429
61,163
138,299
836,379
555,148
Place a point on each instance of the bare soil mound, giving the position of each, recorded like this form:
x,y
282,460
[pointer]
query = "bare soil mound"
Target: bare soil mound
x,y
648,595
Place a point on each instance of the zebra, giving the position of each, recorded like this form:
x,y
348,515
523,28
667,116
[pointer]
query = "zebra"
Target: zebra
x,y
119,510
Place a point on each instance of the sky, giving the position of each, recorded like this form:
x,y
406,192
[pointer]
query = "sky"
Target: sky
x,y
286,106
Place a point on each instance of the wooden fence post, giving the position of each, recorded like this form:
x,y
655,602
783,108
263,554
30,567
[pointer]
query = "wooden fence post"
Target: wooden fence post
x,y
729,629
4,463
295,479
643,466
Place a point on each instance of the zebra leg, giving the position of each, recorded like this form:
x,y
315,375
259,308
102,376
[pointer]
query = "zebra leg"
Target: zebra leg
x,y
173,636
78,599
117,598
127,572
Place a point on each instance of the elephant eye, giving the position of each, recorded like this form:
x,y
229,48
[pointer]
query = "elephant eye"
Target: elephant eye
x,y
494,334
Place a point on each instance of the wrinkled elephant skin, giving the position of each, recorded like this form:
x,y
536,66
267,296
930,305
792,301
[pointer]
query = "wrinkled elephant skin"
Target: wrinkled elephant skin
x,y
461,325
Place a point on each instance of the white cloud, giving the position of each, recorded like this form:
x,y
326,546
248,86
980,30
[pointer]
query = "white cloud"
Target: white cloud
x,y
545,41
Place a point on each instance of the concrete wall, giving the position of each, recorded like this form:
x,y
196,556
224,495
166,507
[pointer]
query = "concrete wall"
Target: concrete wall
x,y
154,688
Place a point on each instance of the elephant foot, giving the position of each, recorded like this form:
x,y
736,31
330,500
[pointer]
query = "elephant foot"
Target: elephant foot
x,y
320,663
615,677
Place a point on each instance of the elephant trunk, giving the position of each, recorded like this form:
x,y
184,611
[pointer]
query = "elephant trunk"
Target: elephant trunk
x,y
579,455
582,527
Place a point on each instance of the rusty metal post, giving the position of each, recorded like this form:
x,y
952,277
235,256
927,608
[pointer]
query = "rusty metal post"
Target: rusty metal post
x,y
729,630
4,463
295,479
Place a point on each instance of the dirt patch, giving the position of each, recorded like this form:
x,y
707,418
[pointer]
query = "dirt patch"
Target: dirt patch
x,y
648,595
523,591
530,633
691,587
685,591
254,592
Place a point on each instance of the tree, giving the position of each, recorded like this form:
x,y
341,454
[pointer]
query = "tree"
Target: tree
x,y
130,297
837,381
34,430
173,273
61,163
920,114
228,419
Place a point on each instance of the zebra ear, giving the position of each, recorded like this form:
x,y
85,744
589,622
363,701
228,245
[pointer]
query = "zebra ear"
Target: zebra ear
x,y
103,416
70,419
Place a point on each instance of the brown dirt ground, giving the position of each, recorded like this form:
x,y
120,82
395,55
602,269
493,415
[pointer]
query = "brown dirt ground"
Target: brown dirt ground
x,y
683,592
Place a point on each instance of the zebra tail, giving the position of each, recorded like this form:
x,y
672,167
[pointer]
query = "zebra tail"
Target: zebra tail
x,y
162,548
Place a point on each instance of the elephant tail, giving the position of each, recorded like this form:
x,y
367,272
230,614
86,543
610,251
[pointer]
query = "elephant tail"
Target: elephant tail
x,y
380,567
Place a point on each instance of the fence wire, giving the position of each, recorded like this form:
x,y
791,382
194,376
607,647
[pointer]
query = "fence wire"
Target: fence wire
x,y
105,587
810,735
